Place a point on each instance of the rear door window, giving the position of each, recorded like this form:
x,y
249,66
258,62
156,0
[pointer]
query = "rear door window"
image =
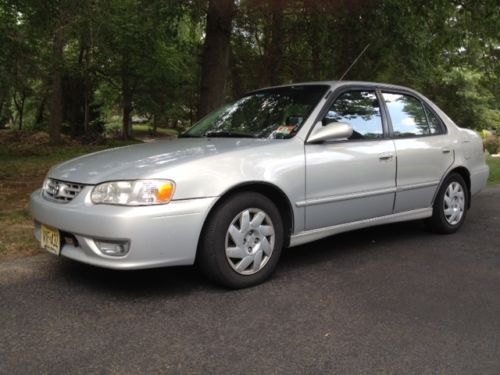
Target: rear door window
x,y
408,116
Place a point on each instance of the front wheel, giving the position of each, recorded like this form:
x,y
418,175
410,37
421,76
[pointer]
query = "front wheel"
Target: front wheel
x,y
450,205
242,241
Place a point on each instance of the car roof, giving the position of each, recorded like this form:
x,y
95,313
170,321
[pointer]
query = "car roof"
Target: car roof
x,y
341,83
337,84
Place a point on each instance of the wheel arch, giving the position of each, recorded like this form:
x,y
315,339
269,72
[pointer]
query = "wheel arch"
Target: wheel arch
x,y
271,191
462,171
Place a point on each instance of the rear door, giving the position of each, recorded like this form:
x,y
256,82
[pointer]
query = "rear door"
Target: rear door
x,y
424,151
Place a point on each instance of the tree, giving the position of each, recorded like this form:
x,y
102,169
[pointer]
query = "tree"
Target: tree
x,y
56,103
215,60
62,66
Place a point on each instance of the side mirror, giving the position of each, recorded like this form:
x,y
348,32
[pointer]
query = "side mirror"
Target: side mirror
x,y
334,130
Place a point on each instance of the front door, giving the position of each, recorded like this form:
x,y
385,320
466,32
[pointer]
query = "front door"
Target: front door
x,y
354,179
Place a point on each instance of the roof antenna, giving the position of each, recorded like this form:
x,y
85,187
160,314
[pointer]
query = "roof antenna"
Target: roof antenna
x,y
354,62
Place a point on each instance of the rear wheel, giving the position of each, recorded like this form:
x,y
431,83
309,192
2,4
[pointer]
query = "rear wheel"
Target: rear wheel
x,y
242,241
450,206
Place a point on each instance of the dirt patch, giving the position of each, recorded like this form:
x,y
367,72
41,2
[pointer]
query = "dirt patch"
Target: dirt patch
x,y
25,159
16,239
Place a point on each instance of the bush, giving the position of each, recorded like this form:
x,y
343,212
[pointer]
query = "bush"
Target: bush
x,y
113,129
491,144
485,134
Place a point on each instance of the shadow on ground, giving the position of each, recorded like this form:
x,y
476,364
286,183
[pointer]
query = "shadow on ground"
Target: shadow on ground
x,y
176,280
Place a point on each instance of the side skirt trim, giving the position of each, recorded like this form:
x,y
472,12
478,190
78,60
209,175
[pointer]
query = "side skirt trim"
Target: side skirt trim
x,y
364,194
338,198
316,234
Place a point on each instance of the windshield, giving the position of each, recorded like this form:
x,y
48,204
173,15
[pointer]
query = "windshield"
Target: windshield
x,y
272,113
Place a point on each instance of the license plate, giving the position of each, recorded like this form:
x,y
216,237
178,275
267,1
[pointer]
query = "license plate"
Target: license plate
x,y
51,240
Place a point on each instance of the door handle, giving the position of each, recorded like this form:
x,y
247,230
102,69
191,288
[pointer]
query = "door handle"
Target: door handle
x,y
385,156
445,150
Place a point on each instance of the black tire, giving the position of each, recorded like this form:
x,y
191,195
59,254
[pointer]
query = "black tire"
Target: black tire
x,y
211,257
438,222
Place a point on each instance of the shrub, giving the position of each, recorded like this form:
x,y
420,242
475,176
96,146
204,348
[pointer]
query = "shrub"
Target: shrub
x,y
485,134
491,144
113,129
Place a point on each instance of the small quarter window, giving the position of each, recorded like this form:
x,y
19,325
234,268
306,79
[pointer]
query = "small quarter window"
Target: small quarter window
x,y
434,122
361,109
407,115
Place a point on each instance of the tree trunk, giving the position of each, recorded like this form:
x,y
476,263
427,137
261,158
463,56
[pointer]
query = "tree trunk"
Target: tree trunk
x,y
56,107
174,123
88,62
20,109
83,62
86,107
2,101
155,123
21,113
126,106
274,52
215,59
86,113
236,81
41,110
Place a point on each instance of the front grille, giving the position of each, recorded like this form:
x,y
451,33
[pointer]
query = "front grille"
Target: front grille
x,y
61,191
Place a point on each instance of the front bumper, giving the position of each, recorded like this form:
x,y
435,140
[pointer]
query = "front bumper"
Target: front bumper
x,y
163,235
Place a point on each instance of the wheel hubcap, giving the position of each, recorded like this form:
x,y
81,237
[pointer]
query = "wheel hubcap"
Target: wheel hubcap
x,y
454,203
250,241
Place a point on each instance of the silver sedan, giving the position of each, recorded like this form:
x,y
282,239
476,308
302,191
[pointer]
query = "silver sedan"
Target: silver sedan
x,y
276,168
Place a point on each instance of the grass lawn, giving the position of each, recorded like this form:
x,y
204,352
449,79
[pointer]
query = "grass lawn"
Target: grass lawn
x,y
22,170
143,131
24,162
19,176
140,131
494,164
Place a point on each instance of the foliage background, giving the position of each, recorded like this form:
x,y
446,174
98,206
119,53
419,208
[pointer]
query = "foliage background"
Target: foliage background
x,y
81,67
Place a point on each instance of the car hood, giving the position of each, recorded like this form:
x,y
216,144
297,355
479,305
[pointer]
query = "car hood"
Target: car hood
x,y
143,160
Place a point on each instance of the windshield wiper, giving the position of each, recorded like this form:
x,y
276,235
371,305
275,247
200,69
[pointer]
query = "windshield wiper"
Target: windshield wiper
x,y
187,135
227,134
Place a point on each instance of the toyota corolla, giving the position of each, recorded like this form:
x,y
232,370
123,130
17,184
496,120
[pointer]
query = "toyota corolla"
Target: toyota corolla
x,y
276,168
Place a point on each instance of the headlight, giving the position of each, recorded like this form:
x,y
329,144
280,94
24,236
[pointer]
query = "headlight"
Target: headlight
x,y
134,193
